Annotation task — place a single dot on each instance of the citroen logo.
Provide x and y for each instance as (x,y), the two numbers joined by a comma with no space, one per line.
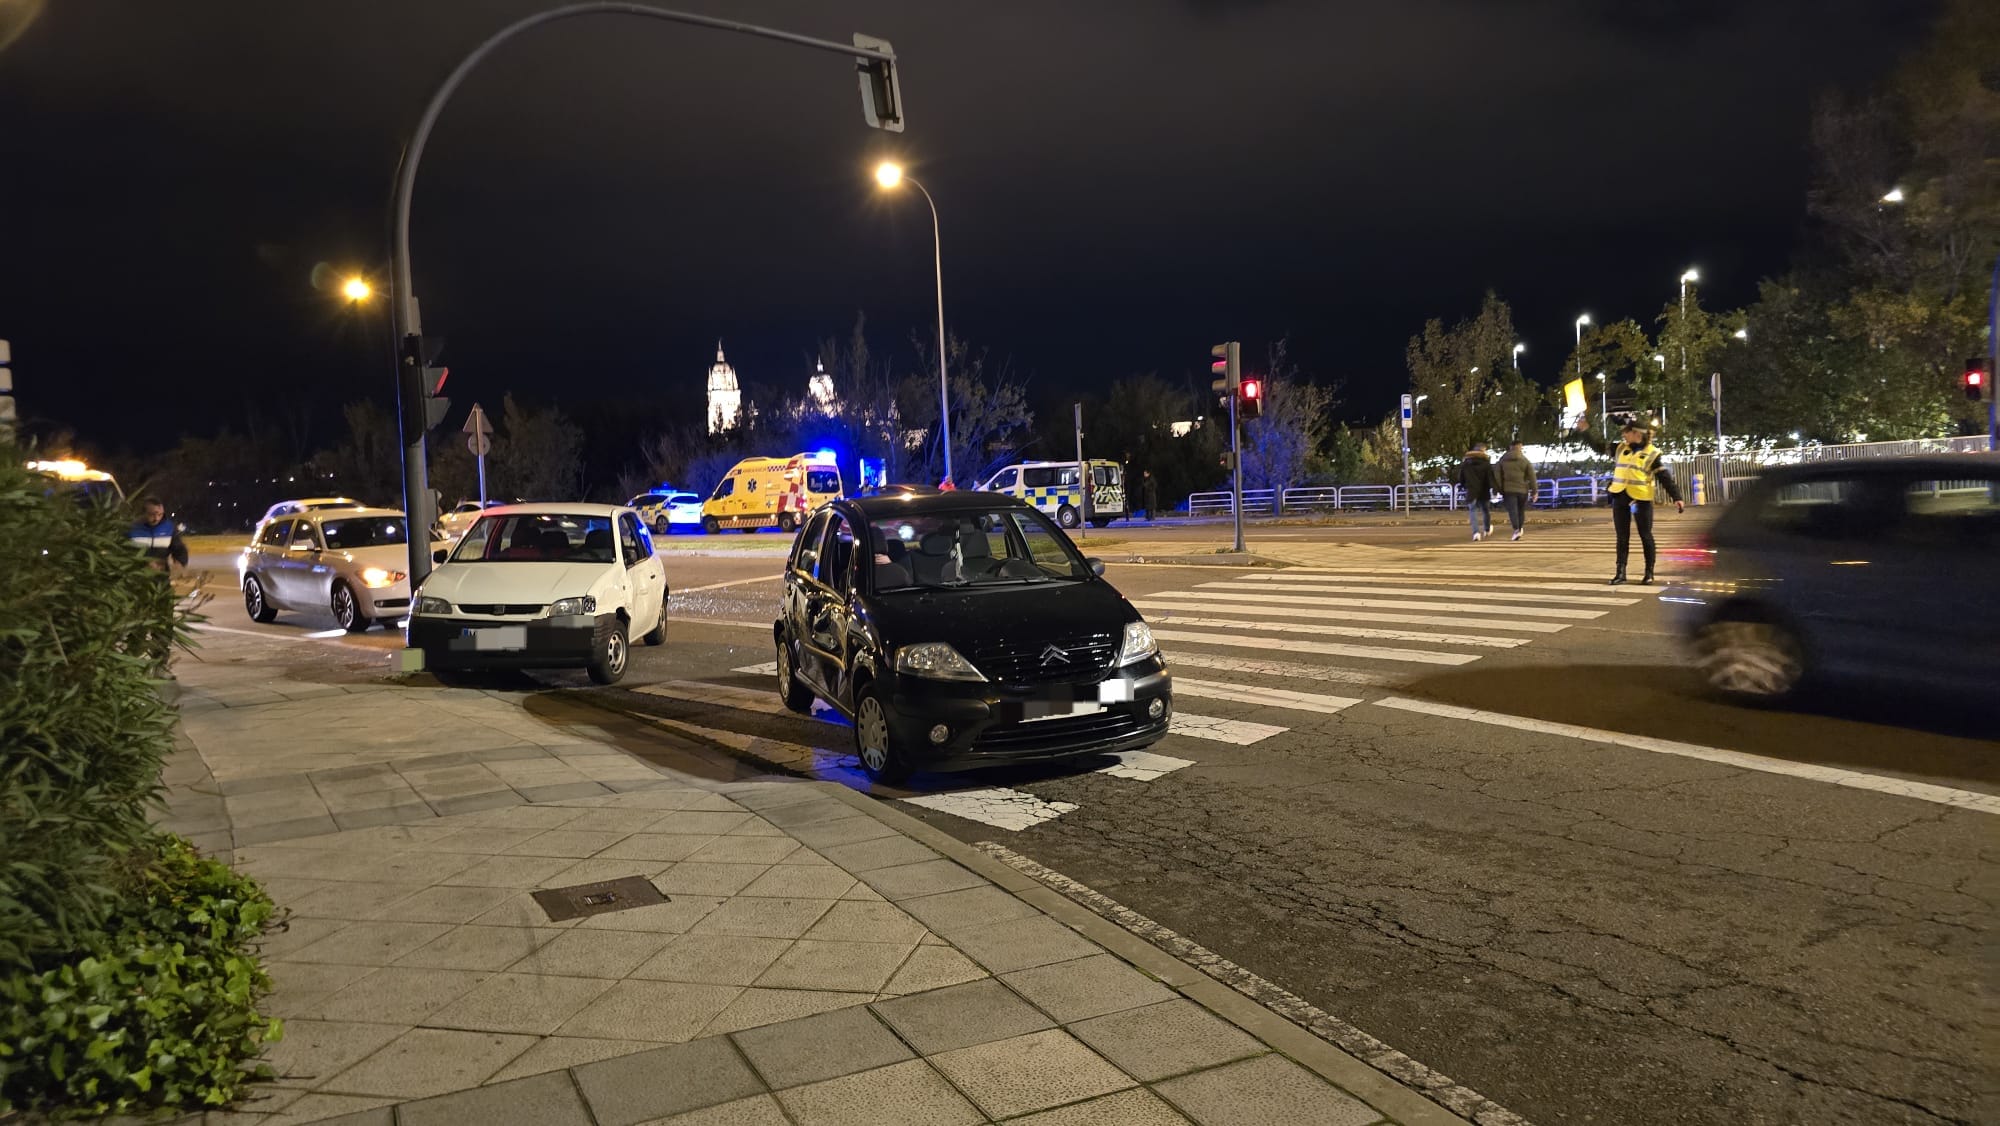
(1053,654)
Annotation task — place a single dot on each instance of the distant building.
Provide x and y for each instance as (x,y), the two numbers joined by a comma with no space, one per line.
(725,398)
(819,390)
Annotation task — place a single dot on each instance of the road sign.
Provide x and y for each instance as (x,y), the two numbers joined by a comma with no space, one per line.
(479,444)
(479,439)
(1409,411)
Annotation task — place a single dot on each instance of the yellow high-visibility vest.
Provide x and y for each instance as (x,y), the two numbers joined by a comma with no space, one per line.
(1633,475)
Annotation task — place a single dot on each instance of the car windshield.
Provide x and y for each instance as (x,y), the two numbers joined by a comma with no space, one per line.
(539,538)
(822,480)
(363,531)
(963,549)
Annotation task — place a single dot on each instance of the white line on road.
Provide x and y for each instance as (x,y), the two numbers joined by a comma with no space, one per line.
(1483,573)
(1508,580)
(1516,594)
(1250,666)
(761,627)
(1287,604)
(1144,766)
(1324,648)
(1238,731)
(1002,808)
(1394,604)
(768,668)
(1854,779)
(204,627)
(1480,641)
(1269,697)
(731,582)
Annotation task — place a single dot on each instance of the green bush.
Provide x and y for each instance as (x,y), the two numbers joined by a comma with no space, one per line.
(157,1012)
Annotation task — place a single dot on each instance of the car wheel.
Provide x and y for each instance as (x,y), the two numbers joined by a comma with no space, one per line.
(608,661)
(791,689)
(254,602)
(346,612)
(873,742)
(1068,516)
(787,523)
(658,634)
(710,526)
(661,527)
(1748,660)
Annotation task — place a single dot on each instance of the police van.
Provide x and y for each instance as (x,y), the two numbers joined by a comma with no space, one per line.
(771,492)
(1052,487)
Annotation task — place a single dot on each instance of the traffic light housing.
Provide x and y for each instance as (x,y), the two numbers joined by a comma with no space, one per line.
(1978,379)
(1227,367)
(1250,398)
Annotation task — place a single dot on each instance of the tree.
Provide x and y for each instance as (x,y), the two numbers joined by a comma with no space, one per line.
(1152,426)
(537,455)
(1459,372)
(1282,446)
(367,463)
(990,419)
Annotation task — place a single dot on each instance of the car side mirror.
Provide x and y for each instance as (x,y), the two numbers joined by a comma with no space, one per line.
(1096,565)
(440,555)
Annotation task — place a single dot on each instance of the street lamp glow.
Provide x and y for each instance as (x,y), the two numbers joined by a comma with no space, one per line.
(1583,320)
(1518,349)
(1893,195)
(1600,377)
(1692,275)
(888,174)
(357,289)
(1742,334)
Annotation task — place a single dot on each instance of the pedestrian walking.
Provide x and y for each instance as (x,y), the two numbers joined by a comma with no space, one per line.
(157,537)
(1149,492)
(1476,477)
(1635,474)
(1517,485)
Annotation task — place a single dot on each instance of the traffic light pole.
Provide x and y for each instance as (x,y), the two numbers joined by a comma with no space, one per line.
(1236,469)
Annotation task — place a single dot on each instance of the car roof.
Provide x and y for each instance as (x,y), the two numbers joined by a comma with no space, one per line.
(1940,465)
(348,513)
(924,504)
(544,508)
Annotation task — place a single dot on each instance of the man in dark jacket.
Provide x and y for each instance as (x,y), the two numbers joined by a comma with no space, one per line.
(158,537)
(1476,477)
(1517,485)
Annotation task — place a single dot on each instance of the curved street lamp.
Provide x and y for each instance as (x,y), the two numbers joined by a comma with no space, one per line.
(890,175)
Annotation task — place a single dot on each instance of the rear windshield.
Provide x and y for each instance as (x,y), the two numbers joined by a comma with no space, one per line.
(684,498)
(363,531)
(822,480)
(540,538)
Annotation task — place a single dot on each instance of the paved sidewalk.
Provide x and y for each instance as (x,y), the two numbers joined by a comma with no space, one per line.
(819,958)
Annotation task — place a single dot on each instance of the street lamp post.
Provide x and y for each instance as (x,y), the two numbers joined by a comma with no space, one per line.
(1691,275)
(1604,405)
(1518,349)
(1580,322)
(889,175)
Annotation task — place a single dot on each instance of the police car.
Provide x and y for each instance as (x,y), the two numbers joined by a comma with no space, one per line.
(1052,487)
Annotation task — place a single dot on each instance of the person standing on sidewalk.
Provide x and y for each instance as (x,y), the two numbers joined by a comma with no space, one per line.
(1149,493)
(1517,485)
(1476,477)
(157,537)
(1636,471)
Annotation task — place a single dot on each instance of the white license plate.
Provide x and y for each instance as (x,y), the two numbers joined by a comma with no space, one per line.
(500,637)
(1065,711)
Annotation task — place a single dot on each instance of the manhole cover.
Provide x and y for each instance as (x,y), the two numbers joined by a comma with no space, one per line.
(599,898)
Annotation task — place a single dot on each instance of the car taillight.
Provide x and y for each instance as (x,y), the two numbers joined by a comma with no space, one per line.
(1698,555)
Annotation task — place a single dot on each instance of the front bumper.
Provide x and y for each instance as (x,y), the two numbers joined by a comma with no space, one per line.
(992,724)
(391,602)
(500,643)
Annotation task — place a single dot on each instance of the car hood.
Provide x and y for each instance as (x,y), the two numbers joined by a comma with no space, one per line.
(997,612)
(482,583)
(388,556)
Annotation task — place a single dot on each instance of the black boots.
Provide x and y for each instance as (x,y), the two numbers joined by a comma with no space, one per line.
(1648,580)
(1619,578)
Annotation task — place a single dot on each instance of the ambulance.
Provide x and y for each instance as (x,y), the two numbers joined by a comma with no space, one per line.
(772,492)
(1051,486)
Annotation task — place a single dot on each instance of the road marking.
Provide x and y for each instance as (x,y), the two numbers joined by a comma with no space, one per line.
(1269,697)
(1515,595)
(204,627)
(761,627)
(1144,766)
(1475,640)
(1483,573)
(1854,779)
(768,668)
(1325,648)
(1250,666)
(1465,607)
(1238,731)
(1288,604)
(1189,615)
(731,582)
(1507,580)
(1002,808)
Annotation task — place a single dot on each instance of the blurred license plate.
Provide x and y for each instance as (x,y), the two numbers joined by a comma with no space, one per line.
(1038,710)
(499,637)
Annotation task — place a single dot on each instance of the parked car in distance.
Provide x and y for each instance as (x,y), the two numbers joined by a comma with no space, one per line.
(771,492)
(307,504)
(349,563)
(454,523)
(664,511)
(543,586)
(960,630)
(1871,572)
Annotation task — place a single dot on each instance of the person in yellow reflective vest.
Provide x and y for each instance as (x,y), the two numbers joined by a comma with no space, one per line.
(1636,473)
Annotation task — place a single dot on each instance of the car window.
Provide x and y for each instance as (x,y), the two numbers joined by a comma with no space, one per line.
(363,531)
(1964,513)
(685,498)
(836,554)
(1004,479)
(970,549)
(1823,508)
(805,550)
(822,480)
(1105,474)
(726,487)
(303,534)
(1038,478)
(275,533)
(638,547)
(539,538)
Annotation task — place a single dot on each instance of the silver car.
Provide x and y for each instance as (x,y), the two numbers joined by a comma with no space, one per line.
(347,562)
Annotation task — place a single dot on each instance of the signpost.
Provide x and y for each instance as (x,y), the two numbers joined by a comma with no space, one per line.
(1409,416)
(479,439)
(1083,481)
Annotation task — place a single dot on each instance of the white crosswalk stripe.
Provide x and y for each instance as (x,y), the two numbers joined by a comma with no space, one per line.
(1262,669)
(1511,595)
(1260,602)
(1241,732)
(1323,648)
(1266,697)
(768,668)
(1477,641)
(1404,604)
(999,807)
(1530,590)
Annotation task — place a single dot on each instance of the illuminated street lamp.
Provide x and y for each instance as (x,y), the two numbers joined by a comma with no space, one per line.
(1580,322)
(1518,349)
(1604,405)
(1742,334)
(1893,195)
(890,175)
(1691,275)
(357,289)
(1660,358)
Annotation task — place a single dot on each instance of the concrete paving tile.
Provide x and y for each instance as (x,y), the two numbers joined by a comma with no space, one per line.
(826,1046)
(793,814)
(961,1016)
(866,922)
(424,867)
(1136,1107)
(656,846)
(903,1094)
(927,878)
(311,862)
(757,1110)
(520,911)
(581,953)
(1262,1090)
(336,1110)
(597,869)
(430,1061)
(845,829)
(698,823)
(854,967)
(770,793)
(932,967)
(541,1100)
(542,817)
(1034,1072)
(236,787)
(664,798)
(387,815)
(791,880)
(475,947)
(607,820)
(1020,944)
(660,1011)
(566,842)
(561,791)
(712,959)
(675,916)
(695,878)
(347,899)
(394,791)
(884,852)
(628,785)
(274,806)
(296,934)
(482,841)
(473,803)
(312,1051)
(972,907)
(397,995)
(757,827)
(369,943)
(745,850)
(1168,1038)
(435,791)
(299,986)
(1087,987)
(756,1007)
(862,893)
(445,903)
(519,1002)
(510,871)
(764,918)
(282,830)
(554,1053)
(666,1081)
(807,858)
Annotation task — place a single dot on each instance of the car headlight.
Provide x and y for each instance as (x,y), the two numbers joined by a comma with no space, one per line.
(573,607)
(936,660)
(429,605)
(1138,644)
(379,577)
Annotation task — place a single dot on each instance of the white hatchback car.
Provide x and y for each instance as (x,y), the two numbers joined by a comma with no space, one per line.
(454,523)
(347,562)
(543,586)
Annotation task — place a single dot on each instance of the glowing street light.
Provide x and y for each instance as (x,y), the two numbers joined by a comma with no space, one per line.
(357,288)
(1580,322)
(1518,349)
(1893,195)
(890,175)
(1741,334)
(1691,275)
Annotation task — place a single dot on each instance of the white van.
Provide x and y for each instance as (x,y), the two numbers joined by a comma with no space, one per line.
(1051,486)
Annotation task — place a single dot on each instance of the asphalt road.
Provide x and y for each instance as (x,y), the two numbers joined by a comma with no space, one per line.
(1584,926)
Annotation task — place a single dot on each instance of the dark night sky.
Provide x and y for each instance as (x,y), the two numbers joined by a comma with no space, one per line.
(1123,183)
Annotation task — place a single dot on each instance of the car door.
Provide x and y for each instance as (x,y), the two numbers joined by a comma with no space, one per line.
(1939,608)
(267,552)
(827,605)
(644,575)
(1816,543)
(284,567)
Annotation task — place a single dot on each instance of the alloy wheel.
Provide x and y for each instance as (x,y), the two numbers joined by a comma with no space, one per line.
(1751,659)
(343,607)
(253,597)
(873,728)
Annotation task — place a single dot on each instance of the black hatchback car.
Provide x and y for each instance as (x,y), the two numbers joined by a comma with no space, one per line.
(961,630)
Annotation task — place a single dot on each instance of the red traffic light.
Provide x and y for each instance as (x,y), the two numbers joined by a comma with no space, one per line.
(1253,388)
(1976,380)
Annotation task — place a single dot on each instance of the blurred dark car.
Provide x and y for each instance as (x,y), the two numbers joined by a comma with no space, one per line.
(900,491)
(1877,573)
